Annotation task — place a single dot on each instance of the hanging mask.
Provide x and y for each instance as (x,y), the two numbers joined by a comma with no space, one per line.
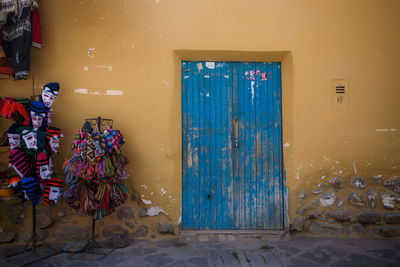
(48,97)
(45,172)
(49,93)
(14,140)
(53,136)
(37,120)
(55,193)
(30,139)
(52,192)
(54,144)
(38,112)
(43,169)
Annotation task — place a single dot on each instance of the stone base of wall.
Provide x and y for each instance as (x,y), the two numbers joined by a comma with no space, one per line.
(132,220)
(356,206)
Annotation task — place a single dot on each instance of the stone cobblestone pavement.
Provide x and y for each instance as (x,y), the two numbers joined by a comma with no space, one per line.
(301,251)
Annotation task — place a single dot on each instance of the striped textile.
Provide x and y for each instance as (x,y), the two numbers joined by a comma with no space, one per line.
(21,162)
(31,188)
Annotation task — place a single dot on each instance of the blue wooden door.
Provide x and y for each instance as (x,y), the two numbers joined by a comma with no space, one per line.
(232,146)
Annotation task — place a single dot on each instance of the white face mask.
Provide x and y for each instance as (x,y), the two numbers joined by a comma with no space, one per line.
(55,193)
(45,172)
(48,97)
(30,140)
(14,140)
(54,144)
(36,120)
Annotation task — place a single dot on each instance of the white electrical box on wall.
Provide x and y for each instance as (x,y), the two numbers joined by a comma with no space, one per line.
(340,93)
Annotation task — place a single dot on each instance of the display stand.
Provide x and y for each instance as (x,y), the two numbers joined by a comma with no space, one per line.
(93,246)
(33,255)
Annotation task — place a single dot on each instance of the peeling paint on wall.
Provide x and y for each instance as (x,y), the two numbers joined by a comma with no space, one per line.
(99,92)
(109,68)
(81,91)
(91,52)
(147,202)
(114,92)
(163,192)
(154,211)
(386,130)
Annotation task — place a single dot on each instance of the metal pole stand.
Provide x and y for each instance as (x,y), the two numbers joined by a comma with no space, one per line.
(35,254)
(92,242)
(94,251)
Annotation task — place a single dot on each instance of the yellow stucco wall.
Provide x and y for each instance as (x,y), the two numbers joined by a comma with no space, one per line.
(135,47)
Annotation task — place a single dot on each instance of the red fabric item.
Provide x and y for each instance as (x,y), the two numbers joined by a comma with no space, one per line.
(5,65)
(6,111)
(36,29)
(10,107)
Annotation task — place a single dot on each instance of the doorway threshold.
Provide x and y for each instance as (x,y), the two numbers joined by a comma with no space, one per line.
(232,235)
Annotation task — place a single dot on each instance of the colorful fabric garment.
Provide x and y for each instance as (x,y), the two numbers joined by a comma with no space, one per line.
(96,172)
(17,40)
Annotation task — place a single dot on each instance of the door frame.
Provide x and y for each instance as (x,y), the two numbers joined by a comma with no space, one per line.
(286,59)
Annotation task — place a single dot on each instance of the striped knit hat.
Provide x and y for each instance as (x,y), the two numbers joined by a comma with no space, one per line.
(21,162)
(53,87)
(53,132)
(38,108)
(30,186)
(54,182)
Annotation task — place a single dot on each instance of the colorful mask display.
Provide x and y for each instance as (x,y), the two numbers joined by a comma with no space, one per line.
(32,142)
